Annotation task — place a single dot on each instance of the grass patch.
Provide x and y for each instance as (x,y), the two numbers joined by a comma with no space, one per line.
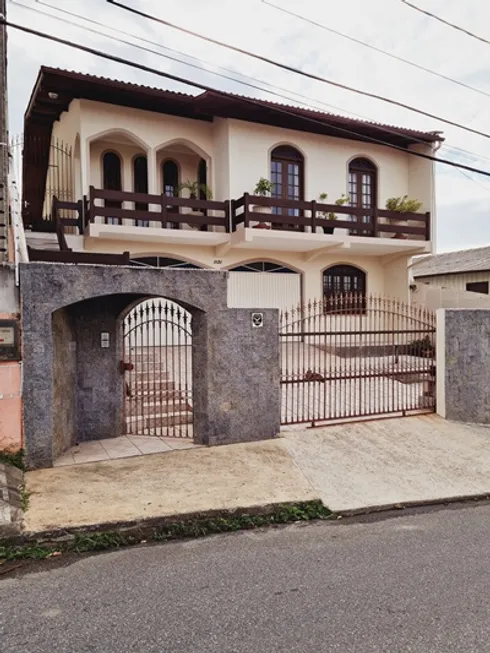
(24,498)
(16,459)
(83,542)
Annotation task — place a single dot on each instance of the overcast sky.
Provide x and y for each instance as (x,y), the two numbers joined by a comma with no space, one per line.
(463,201)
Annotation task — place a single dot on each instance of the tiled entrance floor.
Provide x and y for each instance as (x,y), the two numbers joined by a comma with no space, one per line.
(122,447)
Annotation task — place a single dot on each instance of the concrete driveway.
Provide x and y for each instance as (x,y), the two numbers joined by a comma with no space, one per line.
(349,467)
(378,463)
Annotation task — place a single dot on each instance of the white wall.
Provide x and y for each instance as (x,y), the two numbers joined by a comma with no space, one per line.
(326,161)
(238,152)
(433,297)
(454,281)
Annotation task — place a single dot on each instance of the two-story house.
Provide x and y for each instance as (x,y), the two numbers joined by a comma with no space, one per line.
(121,151)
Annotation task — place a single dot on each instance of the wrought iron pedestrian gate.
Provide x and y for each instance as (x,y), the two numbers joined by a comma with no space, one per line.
(352,356)
(157,366)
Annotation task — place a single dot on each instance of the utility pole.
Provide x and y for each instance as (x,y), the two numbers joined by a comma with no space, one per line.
(4,158)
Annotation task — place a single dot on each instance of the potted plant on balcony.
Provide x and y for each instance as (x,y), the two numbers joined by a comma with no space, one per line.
(194,188)
(401,205)
(263,188)
(332,217)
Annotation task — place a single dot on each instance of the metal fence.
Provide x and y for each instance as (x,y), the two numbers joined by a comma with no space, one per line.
(352,356)
(157,366)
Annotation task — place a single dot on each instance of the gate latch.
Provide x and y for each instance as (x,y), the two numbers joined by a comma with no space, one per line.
(125,367)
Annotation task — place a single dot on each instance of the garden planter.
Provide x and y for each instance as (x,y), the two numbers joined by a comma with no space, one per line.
(267,210)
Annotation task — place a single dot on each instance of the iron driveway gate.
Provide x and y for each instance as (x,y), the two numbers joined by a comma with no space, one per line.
(352,356)
(157,367)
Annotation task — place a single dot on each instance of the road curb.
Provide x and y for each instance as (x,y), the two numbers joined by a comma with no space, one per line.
(405,505)
(97,537)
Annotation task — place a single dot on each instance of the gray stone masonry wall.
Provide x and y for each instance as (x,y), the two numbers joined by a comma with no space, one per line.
(464,365)
(64,380)
(235,366)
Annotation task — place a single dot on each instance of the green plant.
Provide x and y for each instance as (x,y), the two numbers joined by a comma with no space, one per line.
(16,459)
(195,189)
(403,204)
(422,347)
(263,187)
(24,498)
(343,199)
(186,528)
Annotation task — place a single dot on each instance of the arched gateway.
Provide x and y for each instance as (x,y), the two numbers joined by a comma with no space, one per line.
(157,370)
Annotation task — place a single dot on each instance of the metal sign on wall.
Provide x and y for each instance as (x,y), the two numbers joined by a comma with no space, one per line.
(9,340)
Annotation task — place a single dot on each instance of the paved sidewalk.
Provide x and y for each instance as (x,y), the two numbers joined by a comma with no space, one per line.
(163,484)
(349,467)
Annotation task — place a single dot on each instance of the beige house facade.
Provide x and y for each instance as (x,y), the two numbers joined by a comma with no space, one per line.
(144,143)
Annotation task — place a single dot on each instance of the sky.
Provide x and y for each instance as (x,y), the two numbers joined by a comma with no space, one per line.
(463,200)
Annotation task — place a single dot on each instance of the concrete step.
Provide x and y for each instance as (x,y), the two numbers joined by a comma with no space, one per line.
(139,423)
(140,385)
(149,408)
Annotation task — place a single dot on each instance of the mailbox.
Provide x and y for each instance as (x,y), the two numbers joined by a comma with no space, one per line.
(9,340)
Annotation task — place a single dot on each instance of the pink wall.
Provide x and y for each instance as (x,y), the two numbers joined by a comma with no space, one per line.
(10,403)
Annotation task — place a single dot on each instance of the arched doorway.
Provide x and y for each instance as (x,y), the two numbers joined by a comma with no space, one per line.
(157,366)
(112,180)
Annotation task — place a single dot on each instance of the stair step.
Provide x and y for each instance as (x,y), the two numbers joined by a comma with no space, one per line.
(135,424)
(148,408)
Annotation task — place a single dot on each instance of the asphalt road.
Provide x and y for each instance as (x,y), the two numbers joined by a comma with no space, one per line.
(418,584)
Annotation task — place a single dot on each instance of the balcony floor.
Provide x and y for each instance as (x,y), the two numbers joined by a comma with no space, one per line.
(156,235)
(294,241)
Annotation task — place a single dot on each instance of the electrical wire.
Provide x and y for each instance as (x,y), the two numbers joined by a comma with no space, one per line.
(456,151)
(446,22)
(375,48)
(209,89)
(297,71)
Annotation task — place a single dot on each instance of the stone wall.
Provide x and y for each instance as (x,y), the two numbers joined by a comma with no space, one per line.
(64,377)
(235,370)
(463,365)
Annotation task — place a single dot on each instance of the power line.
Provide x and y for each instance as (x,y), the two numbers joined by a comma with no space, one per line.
(209,89)
(375,48)
(317,78)
(161,54)
(446,22)
(475,181)
(456,150)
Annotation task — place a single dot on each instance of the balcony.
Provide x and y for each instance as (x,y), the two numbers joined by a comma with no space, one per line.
(119,215)
(370,231)
(286,225)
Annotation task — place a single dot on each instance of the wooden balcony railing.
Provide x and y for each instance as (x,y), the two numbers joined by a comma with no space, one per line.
(299,215)
(113,206)
(144,210)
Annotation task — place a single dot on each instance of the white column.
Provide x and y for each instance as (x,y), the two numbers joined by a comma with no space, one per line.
(84,165)
(153,187)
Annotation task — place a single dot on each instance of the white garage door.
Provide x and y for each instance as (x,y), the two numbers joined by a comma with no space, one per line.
(268,289)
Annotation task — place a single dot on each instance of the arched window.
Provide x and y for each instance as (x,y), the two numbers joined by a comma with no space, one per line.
(140,185)
(202,177)
(263,266)
(170,183)
(170,171)
(363,189)
(287,177)
(164,262)
(344,289)
(112,180)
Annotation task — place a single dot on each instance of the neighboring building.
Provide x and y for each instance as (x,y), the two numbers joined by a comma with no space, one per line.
(119,149)
(465,270)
